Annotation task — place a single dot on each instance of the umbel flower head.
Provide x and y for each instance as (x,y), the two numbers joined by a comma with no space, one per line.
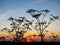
(32,12)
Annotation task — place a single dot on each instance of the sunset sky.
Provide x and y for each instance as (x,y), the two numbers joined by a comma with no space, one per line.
(16,8)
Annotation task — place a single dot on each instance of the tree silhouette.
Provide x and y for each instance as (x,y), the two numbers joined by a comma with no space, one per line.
(54,37)
(22,24)
(16,26)
(11,18)
(41,23)
(2,38)
(7,30)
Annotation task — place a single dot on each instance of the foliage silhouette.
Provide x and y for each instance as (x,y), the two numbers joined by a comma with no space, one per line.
(54,37)
(21,25)
(41,23)
(2,38)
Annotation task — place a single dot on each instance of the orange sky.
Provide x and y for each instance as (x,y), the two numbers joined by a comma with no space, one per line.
(53,28)
(26,35)
(7,36)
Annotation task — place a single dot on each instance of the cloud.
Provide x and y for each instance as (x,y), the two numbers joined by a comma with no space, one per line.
(3,16)
(13,13)
(38,1)
(10,13)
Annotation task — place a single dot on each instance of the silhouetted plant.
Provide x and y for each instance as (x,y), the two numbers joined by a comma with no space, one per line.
(41,23)
(5,29)
(34,37)
(2,38)
(16,23)
(54,37)
(22,24)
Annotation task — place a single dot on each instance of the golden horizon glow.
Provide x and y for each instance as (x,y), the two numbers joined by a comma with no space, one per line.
(7,36)
(26,35)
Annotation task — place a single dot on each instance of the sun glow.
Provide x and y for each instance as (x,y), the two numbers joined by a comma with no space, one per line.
(7,36)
